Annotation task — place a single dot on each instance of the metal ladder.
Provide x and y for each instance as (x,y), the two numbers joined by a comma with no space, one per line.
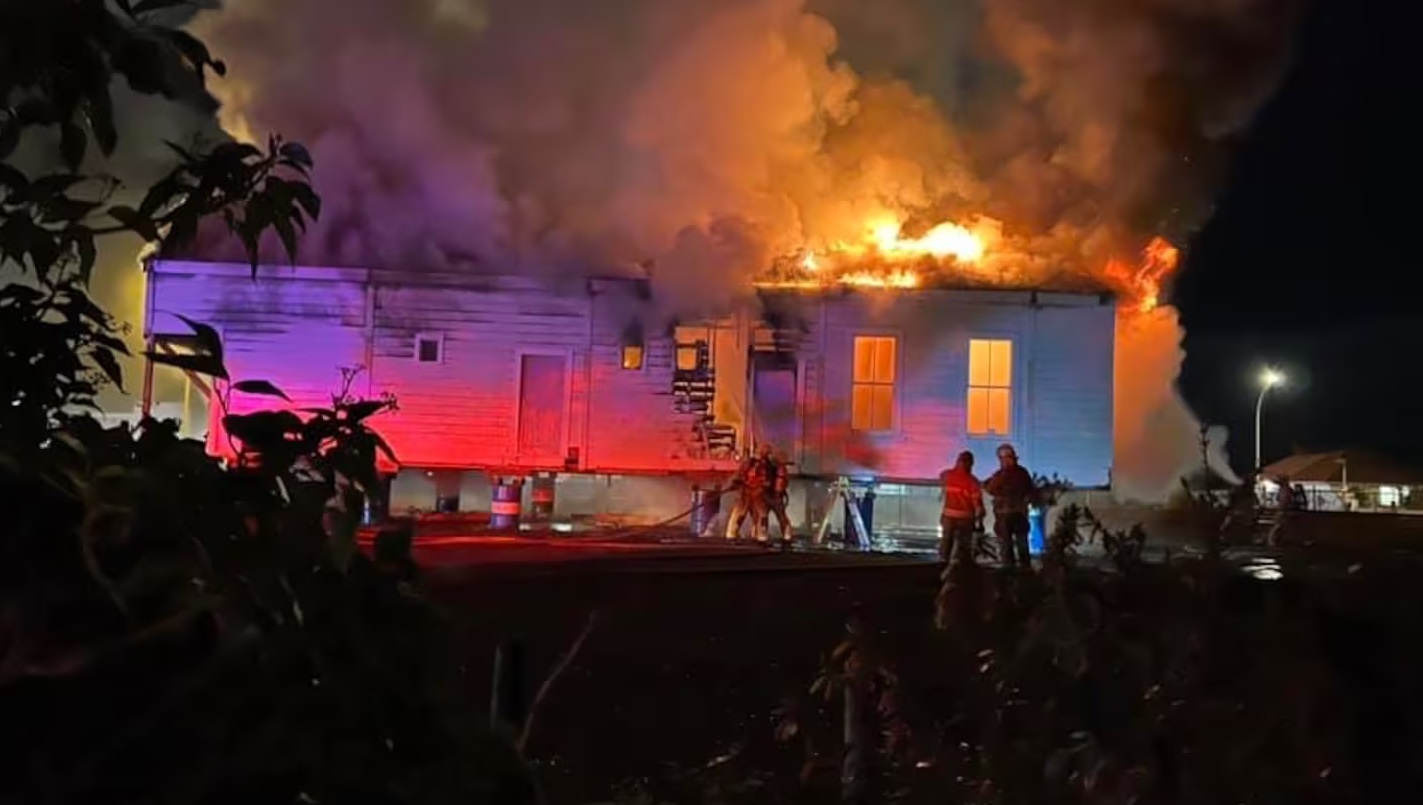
(845,494)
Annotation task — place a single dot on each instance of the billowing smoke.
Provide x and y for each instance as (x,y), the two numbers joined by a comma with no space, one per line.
(705,137)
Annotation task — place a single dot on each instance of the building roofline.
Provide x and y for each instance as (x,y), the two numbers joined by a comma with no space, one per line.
(1047,294)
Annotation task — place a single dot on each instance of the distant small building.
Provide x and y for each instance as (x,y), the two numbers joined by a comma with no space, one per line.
(1347,480)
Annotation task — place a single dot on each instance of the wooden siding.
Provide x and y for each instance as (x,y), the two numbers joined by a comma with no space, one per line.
(1072,377)
(296,335)
(1061,399)
(297,327)
(462,410)
(632,421)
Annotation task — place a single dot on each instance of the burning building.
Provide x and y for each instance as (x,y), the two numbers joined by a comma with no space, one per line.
(869,365)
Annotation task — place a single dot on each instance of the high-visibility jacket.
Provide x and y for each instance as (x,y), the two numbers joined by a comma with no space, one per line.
(753,477)
(963,494)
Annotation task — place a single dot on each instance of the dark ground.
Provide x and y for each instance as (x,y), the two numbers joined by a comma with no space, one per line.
(691,656)
(681,667)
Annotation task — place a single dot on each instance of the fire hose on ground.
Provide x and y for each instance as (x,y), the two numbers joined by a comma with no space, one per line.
(647,529)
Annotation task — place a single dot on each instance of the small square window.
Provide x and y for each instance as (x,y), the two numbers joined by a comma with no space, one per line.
(429,348)
(632,357)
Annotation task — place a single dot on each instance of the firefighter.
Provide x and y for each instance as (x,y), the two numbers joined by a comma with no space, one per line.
(778,492)
(962,516)
(750,483)
(1013,493)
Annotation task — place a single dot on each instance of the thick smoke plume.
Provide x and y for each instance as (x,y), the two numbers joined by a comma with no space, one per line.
(706,137)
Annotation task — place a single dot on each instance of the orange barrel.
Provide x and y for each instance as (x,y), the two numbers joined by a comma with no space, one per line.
(706,505)
(507,505)
(541,498)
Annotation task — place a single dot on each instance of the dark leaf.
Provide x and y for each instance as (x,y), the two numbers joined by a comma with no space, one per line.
(249,243)
(208,339)
(110,366)
(85,252)
(141,60)
(307,199)
(73,142)
(261,387)
(287,233)
(49,187)
(130,218)
(263,430)
(384,447)
(100,112)
(232,153)
(182,228)
(9,137)
(24,294)
(110,342)
(64,209)
(42,247)
(149,6)
(183,153)
(126,6)
(83,306)
(190,46)
(13,179)
(297,155)
(160,195)
(197,364)
(364,409)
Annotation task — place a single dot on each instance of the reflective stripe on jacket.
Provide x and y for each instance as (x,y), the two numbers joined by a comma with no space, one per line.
(963,494)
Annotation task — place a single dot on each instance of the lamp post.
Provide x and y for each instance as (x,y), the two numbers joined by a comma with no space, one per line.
(1269,379)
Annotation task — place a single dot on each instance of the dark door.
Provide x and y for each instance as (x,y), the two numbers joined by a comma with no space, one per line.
(773,394)
(543,385)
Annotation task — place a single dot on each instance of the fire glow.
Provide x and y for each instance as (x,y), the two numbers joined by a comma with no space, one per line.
(885,258)
(1142,282)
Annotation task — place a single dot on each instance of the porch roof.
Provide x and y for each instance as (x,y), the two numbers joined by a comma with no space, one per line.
(1360,467)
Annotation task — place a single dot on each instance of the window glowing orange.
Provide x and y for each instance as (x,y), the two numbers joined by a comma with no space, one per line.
(990,387)
(872,391)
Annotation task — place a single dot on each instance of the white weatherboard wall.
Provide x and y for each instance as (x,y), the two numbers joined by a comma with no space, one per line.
(296,327)
(1061,399)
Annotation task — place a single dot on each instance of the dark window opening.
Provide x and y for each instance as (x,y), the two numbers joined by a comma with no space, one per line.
(634,351)
(428,349)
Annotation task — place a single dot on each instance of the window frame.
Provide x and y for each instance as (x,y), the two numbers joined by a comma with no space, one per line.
(710,332)
(438,339)
(632,339)
(1011,388)
(894,385)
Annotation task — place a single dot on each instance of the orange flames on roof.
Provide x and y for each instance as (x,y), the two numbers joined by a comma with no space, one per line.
(883,257)
(883,243)
(1142,282)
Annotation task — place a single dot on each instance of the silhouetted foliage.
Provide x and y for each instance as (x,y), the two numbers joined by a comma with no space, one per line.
(175,627)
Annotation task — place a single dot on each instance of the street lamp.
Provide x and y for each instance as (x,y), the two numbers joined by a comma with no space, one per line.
(1269,379)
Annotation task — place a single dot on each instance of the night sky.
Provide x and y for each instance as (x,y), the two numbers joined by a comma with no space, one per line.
(1312,258)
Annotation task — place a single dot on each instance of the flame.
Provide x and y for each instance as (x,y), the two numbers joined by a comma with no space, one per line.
(1142,281)
(883,244)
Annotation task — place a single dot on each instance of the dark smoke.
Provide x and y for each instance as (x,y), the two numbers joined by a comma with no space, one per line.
(704,137)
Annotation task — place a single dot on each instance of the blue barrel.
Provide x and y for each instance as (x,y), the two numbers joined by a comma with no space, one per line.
(1037,530)
(706,505)
(507,505)
(541,497)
